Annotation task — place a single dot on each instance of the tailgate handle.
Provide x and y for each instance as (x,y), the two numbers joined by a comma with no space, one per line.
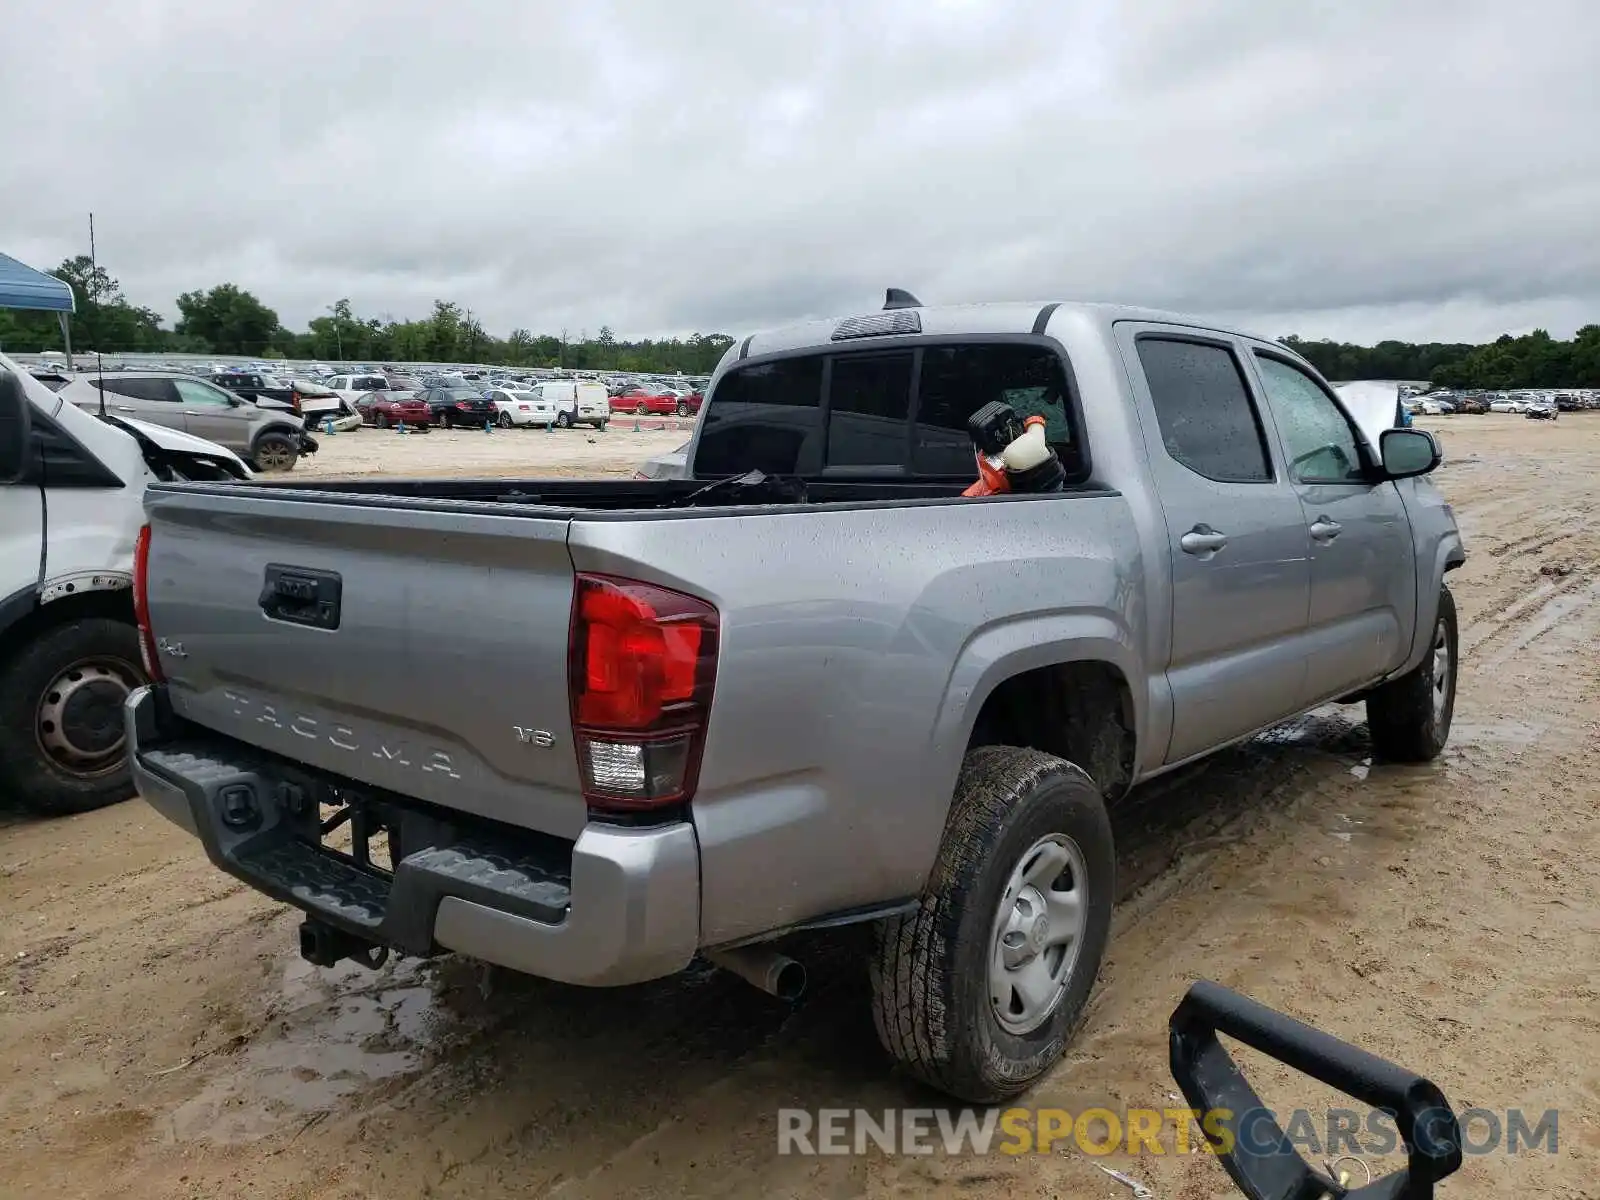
(302,596)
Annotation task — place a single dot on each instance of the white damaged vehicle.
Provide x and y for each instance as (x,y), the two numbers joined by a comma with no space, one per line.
(71,510)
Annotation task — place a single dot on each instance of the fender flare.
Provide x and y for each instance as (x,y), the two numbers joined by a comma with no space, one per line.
(1000,651)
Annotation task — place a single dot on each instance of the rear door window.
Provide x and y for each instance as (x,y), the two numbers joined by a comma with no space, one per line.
(153,388)
(1208,421)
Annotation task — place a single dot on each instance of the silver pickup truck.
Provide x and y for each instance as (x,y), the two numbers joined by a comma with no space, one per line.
(591,730)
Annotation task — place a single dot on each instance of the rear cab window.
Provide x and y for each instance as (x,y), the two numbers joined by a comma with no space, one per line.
(882,410)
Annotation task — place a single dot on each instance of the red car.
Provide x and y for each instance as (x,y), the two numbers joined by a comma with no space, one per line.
(384,409)
(642,400)
(691,403)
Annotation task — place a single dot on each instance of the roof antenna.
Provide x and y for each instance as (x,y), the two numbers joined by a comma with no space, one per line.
(99,364)
(899,298)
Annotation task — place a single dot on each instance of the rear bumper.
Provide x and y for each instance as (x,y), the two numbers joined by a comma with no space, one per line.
(618,906)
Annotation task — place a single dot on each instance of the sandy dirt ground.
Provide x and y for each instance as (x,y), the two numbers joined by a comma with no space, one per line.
(161,1038)
(525,451)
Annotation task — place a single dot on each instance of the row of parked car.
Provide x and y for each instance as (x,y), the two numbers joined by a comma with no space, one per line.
(1535,405)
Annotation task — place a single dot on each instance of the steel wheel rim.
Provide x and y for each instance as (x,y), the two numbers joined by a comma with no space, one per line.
(1038,932)
(275,457)
(78,720)
(1442,667)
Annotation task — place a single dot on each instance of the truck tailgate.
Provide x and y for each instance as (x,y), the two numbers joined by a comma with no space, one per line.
(423,650)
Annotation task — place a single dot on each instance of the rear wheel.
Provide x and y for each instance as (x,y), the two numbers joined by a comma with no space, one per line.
(600,426)
(641,409)
(980,990)
(505,420)
(383,420)
(275,452)
(62,748)
(683,408)
(563,421)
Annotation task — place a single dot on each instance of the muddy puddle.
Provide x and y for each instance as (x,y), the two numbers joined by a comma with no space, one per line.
(329,1033)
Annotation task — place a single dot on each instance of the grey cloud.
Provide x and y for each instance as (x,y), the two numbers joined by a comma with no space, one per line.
(1361,167)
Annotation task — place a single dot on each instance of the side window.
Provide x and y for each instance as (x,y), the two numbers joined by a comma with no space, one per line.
(869,399)
(956,381)
(192,391)
(151,388)
(765,417)
(1317,437)
(1208,421)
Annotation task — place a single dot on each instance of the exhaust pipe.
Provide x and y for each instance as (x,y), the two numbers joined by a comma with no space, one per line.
(775,974)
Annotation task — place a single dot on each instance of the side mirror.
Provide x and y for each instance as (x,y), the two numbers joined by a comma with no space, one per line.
(16,428)
(1408,452)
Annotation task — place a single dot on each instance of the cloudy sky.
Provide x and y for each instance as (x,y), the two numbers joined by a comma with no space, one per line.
(1422,170)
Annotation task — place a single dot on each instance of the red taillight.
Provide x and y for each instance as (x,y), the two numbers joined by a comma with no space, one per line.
(141,605)
(642,662)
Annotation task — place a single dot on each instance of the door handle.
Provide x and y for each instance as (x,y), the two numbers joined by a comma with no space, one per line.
(1202,540)
(1325,529)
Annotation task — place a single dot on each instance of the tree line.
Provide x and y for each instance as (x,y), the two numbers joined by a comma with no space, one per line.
(226,319)
(1534,360)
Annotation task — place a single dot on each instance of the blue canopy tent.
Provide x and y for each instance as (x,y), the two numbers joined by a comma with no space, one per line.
(23,287)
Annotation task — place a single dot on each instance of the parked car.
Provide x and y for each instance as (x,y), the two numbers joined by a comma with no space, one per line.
(689,403)
(71,507)
(696,753)
(1542,411)
(267,439)
(1475,405)
(450,407)
(385,409)
(521,406)
(313,402)
(353,387)
(640,400)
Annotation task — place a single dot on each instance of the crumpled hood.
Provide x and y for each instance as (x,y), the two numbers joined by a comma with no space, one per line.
(1375,405)
(182,443)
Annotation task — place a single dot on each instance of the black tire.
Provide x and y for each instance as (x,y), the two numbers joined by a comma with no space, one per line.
(600,426)
(1407,722)
(504,420)
(930,972)
(382,420)
(104,654)
(275,452)
(683,408)
(641,409)
(563,421)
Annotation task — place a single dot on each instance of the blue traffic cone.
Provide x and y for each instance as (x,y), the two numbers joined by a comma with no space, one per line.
(400,428)
(636,428)
(327,426)
(487,428)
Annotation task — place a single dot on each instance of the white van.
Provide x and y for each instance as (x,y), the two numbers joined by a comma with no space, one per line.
(577,402)
(71,508)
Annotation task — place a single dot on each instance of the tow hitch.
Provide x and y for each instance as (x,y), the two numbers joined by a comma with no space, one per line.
(323,946)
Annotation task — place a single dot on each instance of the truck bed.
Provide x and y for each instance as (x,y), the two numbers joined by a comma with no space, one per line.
(438,670)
